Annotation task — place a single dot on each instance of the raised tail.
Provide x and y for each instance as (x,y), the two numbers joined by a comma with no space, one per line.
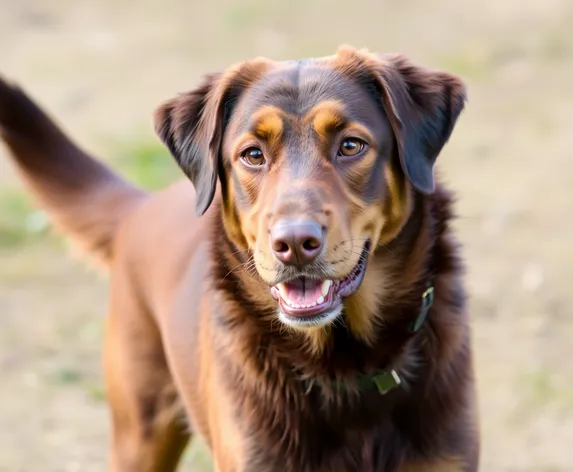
(85,199)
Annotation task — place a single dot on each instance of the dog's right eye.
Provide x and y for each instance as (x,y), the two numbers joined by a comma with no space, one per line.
(253,157)
(351,147)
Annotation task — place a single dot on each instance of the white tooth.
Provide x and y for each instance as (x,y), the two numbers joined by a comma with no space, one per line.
(313,304)
(320,300)
(325,287)
(296,306)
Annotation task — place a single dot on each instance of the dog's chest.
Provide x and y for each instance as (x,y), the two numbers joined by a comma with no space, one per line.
(315,433)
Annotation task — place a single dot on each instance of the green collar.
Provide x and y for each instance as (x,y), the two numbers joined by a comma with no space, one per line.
(385,381)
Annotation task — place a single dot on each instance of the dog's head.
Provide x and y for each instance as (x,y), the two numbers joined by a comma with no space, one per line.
(318,161)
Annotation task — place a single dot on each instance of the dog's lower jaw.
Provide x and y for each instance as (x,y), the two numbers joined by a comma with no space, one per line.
(319,321)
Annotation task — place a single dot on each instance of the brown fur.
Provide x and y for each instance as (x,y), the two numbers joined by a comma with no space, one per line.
(192,325)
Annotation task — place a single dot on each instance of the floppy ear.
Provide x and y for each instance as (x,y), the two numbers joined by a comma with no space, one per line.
(423,106)
(188,126)
(192,125)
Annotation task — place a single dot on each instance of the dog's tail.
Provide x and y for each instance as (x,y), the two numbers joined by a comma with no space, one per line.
(85,199)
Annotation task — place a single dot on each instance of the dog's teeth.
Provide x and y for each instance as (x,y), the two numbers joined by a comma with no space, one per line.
(313,304)
(296,305)
(320,300)
(325,287)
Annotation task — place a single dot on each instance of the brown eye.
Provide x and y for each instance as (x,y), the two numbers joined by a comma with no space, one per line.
(253,157)
(351,147)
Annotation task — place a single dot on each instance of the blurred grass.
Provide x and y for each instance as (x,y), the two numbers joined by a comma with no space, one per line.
(541,388)
(141,159)
(145,161)
(20,221)
(197,457)
(539,393)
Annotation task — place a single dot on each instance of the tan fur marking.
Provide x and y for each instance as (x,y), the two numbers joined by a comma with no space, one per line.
(453,464)
(325,116)
(317,338)
(363,304)
(232,220)
(269,122)
(366,222)
(398,204)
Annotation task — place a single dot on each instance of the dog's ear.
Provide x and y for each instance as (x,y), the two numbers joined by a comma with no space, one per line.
(192,126)
(423,106)
(186,124)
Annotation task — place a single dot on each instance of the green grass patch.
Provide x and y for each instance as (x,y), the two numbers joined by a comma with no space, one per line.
(146,162)
(95,391)
(538,391)
(197,456)
(542,389)
(67,376)
(20,221)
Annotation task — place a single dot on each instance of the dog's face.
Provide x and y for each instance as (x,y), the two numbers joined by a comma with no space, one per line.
(317,161)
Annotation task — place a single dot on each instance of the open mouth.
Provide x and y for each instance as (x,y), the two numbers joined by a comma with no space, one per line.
(308,301)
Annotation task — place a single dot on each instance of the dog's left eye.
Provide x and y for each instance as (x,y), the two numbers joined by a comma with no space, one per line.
(253,157)
(351,147)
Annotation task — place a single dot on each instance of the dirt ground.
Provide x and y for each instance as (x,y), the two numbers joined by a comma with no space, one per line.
(102,66)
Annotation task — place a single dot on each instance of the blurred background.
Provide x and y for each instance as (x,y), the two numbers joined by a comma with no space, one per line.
(101,67)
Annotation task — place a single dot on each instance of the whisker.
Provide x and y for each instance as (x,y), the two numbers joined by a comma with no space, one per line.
(242,264)
(385,246)
(344,241)
(239,252)
(341,321)
(371,250)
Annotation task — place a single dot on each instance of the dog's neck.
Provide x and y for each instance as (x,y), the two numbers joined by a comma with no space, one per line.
(419,255)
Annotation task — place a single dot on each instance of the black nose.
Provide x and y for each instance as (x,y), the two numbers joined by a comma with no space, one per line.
(297,242)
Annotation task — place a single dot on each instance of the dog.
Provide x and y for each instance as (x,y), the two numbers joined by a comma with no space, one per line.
(299,298)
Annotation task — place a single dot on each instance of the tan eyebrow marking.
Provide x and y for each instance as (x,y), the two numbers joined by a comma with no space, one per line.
(326,116)
(268,122)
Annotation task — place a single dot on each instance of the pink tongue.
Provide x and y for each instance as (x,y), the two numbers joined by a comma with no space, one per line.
(303,291)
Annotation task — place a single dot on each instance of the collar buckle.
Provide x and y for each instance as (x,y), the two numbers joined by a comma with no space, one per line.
(386,381)
(427,302)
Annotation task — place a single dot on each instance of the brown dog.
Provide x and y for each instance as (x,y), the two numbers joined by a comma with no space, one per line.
(314,318)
